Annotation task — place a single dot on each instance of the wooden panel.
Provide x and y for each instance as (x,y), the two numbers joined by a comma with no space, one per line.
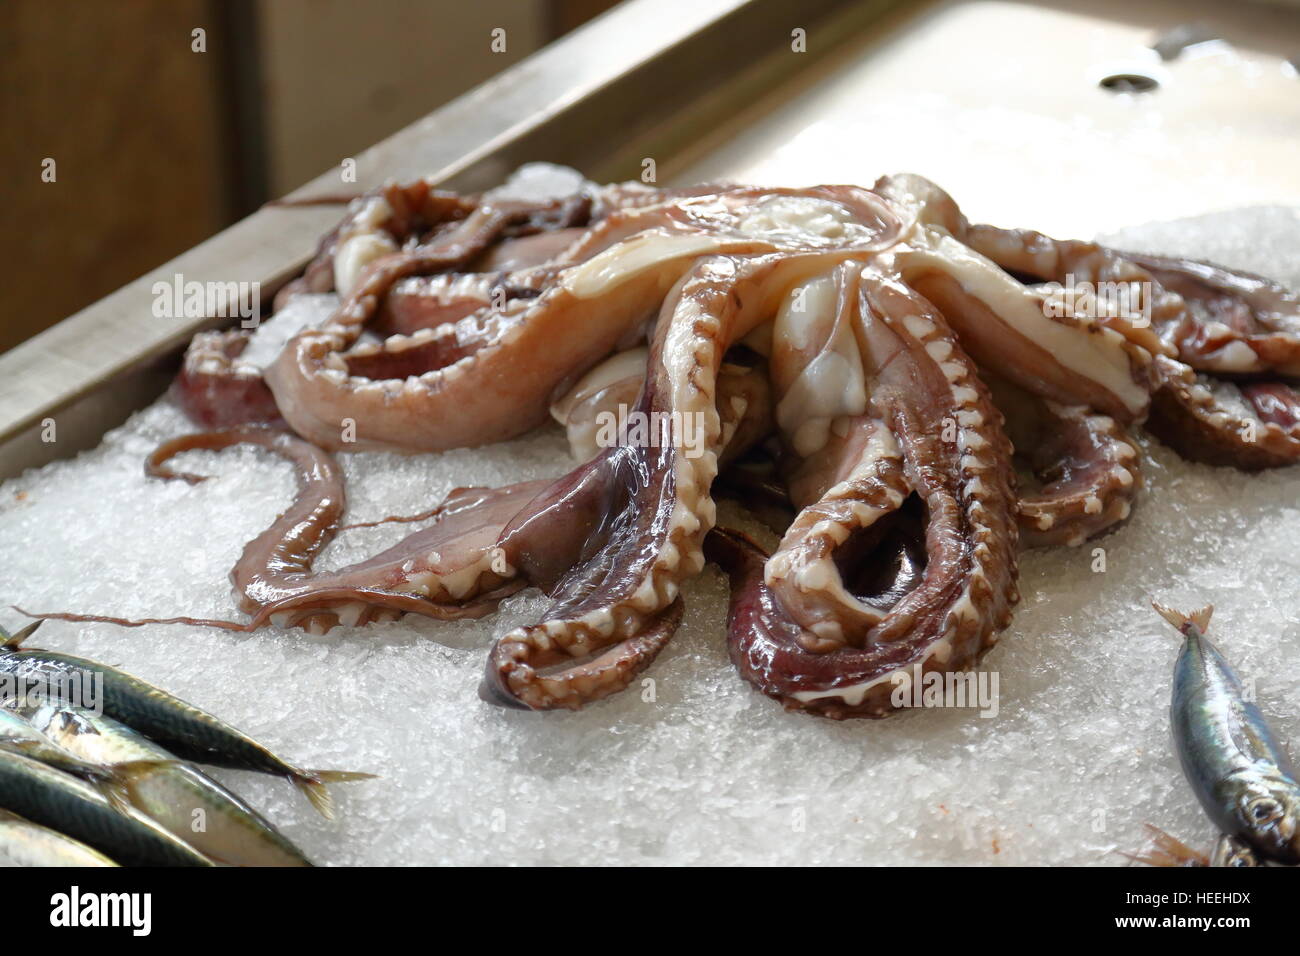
(338,76)
(113,94)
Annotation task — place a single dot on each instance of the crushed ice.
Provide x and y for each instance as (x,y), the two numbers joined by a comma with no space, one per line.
(691,766)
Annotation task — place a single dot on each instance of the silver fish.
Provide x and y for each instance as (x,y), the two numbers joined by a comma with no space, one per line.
(1238,770)
(1233,851)
(181,798)
(19,736)
(1168,851)
(23,843)
(188,732)
(59,801)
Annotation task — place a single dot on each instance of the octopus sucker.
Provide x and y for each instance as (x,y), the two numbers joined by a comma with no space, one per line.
(945,603)
(1080,471)
(1227,343)
(655,498)
(217,388)
(1250,426)
(905,398)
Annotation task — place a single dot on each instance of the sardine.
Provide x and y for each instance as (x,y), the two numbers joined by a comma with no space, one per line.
(23,843)
(1233,851)
(1238,770)
(19,736)
(51,798)
(185,730)
(1169,851)
(178,796)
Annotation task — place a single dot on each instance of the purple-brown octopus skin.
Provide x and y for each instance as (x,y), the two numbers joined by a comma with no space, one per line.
(937,570)
(489,376)
(1227,343)
(892,363)
(650,506)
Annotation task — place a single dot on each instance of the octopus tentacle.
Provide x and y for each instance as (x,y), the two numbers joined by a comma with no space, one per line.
(1247,426)
(844,468)
(299,534)
(1215,326)
(1088,484)
(1225,307)
(554,676)
(650,504)
(1085,471)
(1047,265)
(449,569)
(1214,319)
(378,219)
(1067,380)
(489,376)
(950,611)
(216,389)
(428,302)
(660,511)
(1065,358)
(804,574)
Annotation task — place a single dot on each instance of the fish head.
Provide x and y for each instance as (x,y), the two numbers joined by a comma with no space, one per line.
(1267,807)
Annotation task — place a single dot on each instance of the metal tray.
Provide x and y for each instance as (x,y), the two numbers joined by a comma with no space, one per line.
(999,102)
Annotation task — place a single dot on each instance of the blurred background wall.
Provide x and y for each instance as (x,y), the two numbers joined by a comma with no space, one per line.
(156,145)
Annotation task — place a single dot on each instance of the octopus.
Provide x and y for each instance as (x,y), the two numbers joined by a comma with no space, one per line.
(906,400)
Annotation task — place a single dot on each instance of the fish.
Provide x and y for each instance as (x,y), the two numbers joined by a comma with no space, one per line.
(1169,851)
(60,801)
(1240,773)
(178,796)
(19,736)
(1235,852)
(23,843)
(185,730)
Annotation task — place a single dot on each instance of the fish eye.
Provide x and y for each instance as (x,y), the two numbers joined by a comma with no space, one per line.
(1263,810)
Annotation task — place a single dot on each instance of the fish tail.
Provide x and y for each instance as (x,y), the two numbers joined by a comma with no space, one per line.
(1181,621)
(14,641)
(312,784)
(1166,851)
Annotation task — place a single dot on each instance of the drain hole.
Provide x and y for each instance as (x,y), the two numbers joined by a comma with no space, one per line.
(1129,83)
